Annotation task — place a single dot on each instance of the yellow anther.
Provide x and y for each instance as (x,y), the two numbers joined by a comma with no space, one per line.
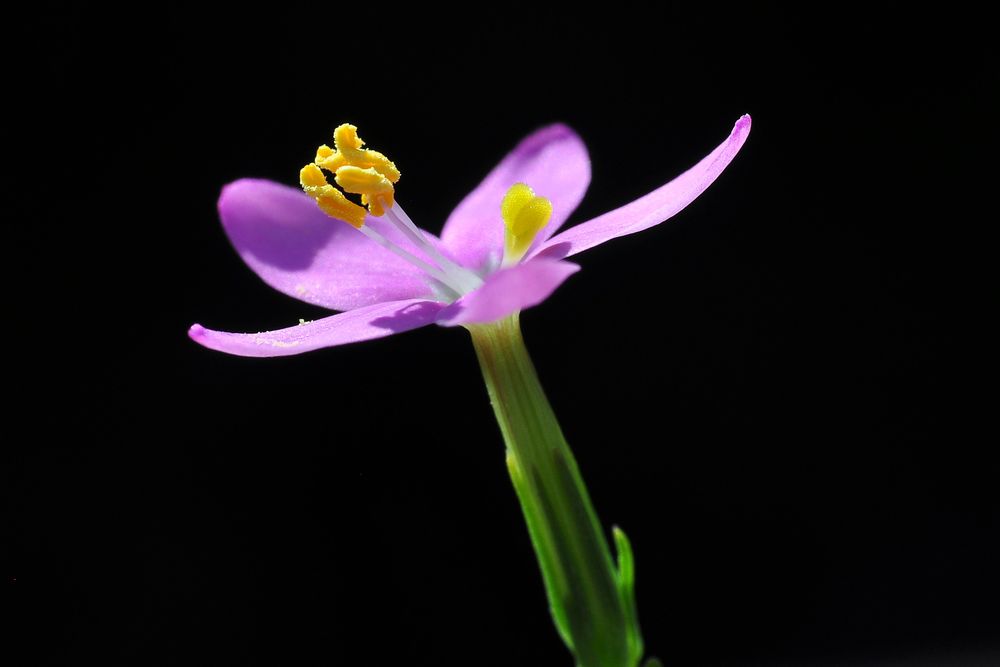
(357,170)
(331,200)
(322,153)
(349,152)
(313,180)
(375,189)
(524,215)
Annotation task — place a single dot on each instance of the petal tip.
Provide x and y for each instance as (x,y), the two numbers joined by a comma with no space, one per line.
(556,129)
(548,134)
(229,190)
(197,333)
(239,189)
(234,186)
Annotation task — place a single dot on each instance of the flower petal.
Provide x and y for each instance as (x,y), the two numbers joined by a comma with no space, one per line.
(377,321)
(553,161)
(509,290)
(283,236)
(652,209)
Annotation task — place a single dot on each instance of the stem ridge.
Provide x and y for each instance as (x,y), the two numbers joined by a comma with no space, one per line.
(591,598)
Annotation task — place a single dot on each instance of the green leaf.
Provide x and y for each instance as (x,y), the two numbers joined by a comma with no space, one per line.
(626,588)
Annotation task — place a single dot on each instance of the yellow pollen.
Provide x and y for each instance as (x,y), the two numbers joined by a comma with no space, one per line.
(374,188)
(349,152)
(524,215)
(357,170)
(331,200)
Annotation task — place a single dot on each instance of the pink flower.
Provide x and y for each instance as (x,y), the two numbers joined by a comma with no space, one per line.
(297,249)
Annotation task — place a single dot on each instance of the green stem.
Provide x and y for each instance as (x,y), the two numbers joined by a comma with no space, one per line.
(591,598)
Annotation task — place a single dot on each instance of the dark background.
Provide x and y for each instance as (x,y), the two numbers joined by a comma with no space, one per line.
(770,393)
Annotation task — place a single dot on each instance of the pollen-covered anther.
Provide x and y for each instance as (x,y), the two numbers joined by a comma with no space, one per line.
(349,152)
(524,215)
(358,171)
(330,200)
(375,189)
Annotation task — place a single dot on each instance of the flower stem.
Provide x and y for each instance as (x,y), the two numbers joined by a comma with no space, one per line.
(591,599)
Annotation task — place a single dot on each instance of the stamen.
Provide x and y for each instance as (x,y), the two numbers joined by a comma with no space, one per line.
(349,152)
(374,188)
(329,198)
(357,170)
(370,174)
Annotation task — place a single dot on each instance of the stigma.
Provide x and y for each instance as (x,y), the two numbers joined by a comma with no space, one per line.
(524,215)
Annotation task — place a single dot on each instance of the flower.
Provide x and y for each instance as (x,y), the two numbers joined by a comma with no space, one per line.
(498,252)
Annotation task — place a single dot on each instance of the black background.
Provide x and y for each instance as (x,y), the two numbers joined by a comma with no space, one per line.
(768,392)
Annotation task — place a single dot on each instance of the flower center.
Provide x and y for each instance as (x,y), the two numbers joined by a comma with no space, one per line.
(524,215)
(372,175)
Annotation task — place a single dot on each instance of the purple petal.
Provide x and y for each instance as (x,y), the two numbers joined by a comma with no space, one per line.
(377,321)
(509,290)
(284,237)
(654,208)
(553,162)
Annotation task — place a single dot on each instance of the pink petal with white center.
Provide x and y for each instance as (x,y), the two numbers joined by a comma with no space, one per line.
(366,323)
(297,249)
(553,161)
(508,291)
(652,209)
